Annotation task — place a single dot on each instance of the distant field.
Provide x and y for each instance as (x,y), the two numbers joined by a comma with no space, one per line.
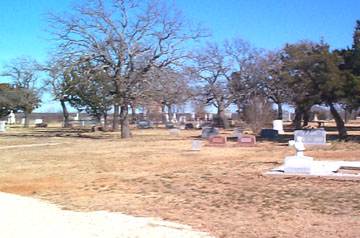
(154,174)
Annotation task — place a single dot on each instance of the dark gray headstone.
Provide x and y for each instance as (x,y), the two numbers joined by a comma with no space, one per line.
(209,131)
(189,126)
(144,124)
(237,132)
(169,125)
(311,137)
(269,133)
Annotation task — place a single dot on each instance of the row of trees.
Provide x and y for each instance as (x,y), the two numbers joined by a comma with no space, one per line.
(125,54)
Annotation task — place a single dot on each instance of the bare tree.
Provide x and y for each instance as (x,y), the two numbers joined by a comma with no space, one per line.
(59,83)
(126,38)
(169,88)
(273,85)
(212,69)
(24,73)
(247,73)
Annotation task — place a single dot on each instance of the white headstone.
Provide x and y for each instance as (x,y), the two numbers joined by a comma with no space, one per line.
(11,118)
(205,117)
(2,126)
(182,119)
(278,125)
(167,117)
(22,121)
(298,164)
(174,120)
(38,121)
(174,132)
(195,145)
(193,116)
(210,116)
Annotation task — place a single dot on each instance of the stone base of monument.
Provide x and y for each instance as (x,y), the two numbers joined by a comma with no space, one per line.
(298,164)
(349,170)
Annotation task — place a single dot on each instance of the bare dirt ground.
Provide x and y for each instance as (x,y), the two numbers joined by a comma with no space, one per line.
(154,174)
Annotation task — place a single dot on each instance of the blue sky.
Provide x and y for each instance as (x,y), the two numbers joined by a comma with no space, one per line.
(264,23)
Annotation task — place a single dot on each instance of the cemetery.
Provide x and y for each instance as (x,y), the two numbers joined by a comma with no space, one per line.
(185,175)
(132,119)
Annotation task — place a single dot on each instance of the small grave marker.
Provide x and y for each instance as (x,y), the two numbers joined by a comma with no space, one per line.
(41,125)
(38,121)
(195,145)
(278,125)
(209,131)
(189,126)
(269,133)
(246,141)
(169,125)
(237,132)
(144,124)
(216,140)
(174,132)
(2,126)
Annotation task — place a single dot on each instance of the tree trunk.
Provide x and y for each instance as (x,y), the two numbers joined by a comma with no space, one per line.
(221,113)
(125,125)
(339,122)
(133,112)
(298,118)
(280,111)
(26,115)
(105,126)
(116,117)
(65,114)
(306,115)
(169,111)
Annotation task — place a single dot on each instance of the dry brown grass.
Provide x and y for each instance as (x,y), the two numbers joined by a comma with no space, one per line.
(219,190)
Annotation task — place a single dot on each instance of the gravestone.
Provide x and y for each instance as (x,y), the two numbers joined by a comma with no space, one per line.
(2,126)
(278,125)
(144,124)
(237,132)
(174,132)
(11,118)
(22,121)
(38,121)
(189,126)
(195,145)
(210,117)
(312,137)
(286,116)
(169,125)
(193,116)
(209,131)
(246,141)
(41,125)
(216,140)
(298,164)
(174,120)
(269,133)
